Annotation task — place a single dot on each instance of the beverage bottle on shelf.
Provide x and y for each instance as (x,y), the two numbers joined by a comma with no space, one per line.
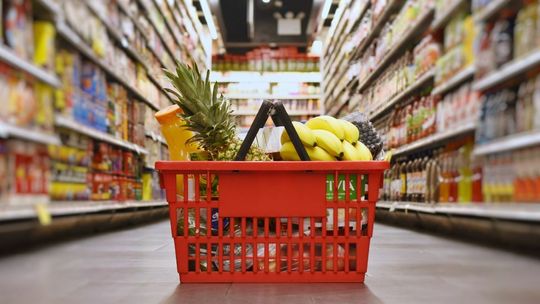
(502,38)
(408,124)
(444,185)
(396,182)
(434,178)
(410,179)
(465,174)
(535,112)
(476,181)
(422,183)
(403,181)
(453,178)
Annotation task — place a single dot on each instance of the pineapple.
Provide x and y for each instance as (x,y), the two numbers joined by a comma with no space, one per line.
(208,115)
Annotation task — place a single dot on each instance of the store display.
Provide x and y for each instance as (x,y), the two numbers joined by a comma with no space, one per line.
(267,60)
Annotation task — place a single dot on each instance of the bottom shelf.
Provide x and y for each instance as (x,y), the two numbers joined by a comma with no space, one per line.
(11,212)
(508,211)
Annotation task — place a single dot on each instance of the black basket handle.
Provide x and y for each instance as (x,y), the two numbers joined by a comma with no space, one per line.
(280,117)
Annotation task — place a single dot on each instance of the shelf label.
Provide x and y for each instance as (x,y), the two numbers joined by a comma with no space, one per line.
(43,214)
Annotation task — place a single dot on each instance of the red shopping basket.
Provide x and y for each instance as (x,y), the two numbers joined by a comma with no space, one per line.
(238,221)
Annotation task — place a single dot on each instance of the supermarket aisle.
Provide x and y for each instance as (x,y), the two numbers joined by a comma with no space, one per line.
(137,266)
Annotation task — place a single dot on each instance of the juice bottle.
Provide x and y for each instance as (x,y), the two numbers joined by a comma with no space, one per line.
(465,175)
(176,134)
(444,186)
(476,181)
(453,178)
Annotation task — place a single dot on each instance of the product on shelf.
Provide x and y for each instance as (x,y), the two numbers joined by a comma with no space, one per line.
(25,167)
(509,111)
(451,175)
(459,39)
(267,60)
(17,27)
(26,103)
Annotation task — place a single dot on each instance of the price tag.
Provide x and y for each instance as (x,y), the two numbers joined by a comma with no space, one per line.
(44,216)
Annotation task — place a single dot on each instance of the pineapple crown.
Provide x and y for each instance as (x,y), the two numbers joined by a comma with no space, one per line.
(208,115)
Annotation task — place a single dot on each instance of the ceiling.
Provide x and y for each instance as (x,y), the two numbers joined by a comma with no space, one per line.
(240,34)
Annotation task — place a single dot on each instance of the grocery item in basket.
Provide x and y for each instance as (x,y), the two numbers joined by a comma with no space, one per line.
(208,115)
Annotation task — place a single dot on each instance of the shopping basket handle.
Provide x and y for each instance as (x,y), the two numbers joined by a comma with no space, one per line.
(280,117)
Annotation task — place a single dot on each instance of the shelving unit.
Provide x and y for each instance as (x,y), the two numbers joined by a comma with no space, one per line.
(40,74)
(454,81)
(21,207)
(397,48)
(508,143)
(96,134)
(506,211)
(406,93)
(56,209)
(436,139)
(490,10)
(510,70)
(271,96)
(441,21)
(276,77)
(38,136)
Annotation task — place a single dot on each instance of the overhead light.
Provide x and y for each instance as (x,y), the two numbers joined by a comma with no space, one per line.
(316,47)
(266,1)
(326,9)
(209,20)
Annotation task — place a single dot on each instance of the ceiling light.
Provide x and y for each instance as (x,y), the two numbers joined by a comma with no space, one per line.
(209,19)
(316,48)
(326,9)
(266,1)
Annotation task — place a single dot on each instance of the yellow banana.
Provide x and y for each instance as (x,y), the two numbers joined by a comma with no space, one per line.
(288,152)
(305,134)
(365,154)
(350,152)
(352,134)
(329,142)
(327,123)
(319,154)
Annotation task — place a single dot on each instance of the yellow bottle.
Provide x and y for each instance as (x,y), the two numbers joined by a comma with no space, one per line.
(176,134)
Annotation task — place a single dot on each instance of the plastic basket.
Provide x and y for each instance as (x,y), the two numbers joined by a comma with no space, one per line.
(272,221)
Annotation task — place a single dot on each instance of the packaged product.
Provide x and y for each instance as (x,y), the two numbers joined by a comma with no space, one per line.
(44,37)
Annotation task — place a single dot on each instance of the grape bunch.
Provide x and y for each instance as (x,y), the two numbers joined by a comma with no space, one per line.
(368,134)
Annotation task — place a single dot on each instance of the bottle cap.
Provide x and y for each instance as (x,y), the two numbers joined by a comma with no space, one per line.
(168,114)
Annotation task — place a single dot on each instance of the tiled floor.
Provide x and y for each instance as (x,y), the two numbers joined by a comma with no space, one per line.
(138,266)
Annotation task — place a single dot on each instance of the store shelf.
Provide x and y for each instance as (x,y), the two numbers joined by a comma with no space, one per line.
(277,77)
(291,113)
(72,37)
(270,96)
(508,143)
(510,70)
(117,35)
(399,47)
(156,137)
(51,6)
(390,8)
(490,10)
(456,80)
(436,138)
(508,211)
(441,21)
(18,212)
(8,130)
(421,82)
(9,57)
(156,29)
(96,134)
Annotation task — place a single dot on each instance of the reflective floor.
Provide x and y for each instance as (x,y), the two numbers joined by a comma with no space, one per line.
(138,266)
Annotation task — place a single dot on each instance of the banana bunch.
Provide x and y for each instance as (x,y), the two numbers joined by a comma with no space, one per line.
(326,138)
